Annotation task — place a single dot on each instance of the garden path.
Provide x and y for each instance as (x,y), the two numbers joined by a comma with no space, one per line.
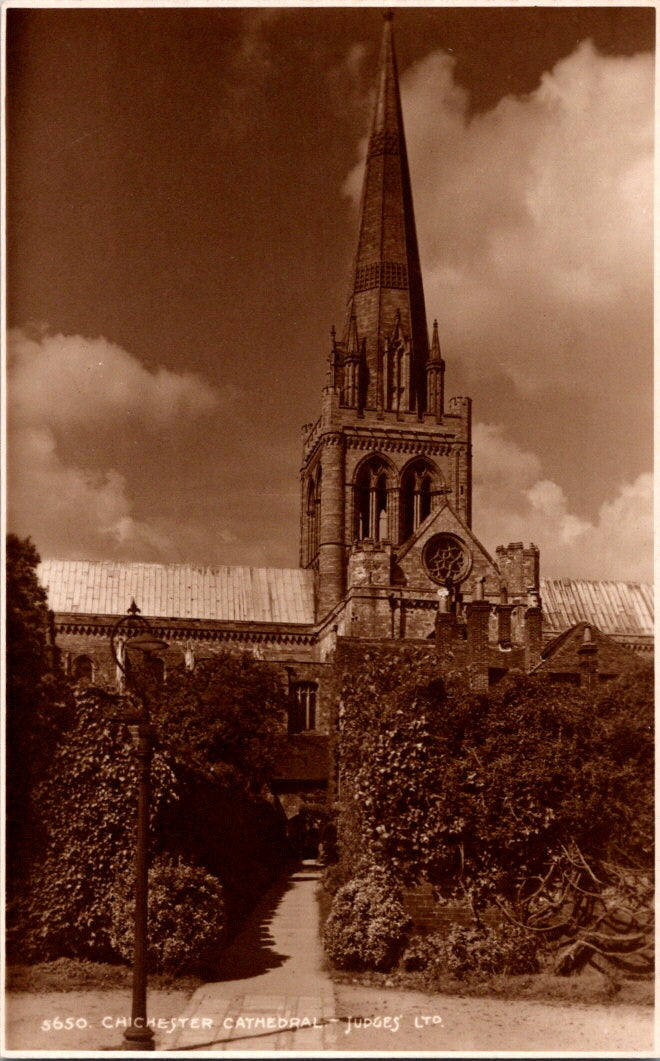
(271,992)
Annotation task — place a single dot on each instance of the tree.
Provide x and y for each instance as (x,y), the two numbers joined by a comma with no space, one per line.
(38,698)
(534,797)
(215,735)
(224,719)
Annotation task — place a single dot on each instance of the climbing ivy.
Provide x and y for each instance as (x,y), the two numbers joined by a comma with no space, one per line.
(520,797)
(215,737)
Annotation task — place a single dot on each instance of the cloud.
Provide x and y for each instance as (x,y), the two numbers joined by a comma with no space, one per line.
(513,501)
(535,226)
(70,510)
(535,219)
(69,381)
(64,391)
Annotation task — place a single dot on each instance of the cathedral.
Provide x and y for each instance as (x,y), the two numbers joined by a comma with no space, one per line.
(387,553)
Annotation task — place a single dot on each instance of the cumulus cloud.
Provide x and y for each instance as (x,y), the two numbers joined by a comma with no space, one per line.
(69,380)
(513,501)
(62,391)
(535,219)
(535,225)
(67,508)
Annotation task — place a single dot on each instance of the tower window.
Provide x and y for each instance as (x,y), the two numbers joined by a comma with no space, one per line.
(371,510)
(313,514)
(420,490)
(302,712)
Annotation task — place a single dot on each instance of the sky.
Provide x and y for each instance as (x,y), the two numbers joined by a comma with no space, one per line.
(182,200)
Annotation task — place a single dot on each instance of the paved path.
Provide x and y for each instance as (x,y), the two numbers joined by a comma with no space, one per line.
(271,993)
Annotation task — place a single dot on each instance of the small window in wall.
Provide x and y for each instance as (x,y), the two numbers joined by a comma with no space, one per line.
(82,669)
(495,675)
(565,677)
(302,712)
(157,669)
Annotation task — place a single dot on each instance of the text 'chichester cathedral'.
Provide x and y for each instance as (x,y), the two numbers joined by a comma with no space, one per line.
(387,554)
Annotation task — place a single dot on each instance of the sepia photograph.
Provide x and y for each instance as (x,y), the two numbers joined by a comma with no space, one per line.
(328,529)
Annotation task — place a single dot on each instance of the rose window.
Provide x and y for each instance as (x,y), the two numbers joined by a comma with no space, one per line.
(446,559)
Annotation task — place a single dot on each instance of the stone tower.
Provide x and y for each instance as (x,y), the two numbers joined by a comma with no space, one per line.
(387,466)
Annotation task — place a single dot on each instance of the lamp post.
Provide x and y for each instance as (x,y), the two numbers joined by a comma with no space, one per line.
(138,1036)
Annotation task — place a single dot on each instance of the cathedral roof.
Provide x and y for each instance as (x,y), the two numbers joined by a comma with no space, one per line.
(623,610)
(182,591)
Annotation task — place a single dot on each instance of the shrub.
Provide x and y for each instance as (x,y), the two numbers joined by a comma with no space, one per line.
(512,798)
(367,925)
(335,877)
(423,953)
(88,803)
(186,923)
(486,951)
(85,801)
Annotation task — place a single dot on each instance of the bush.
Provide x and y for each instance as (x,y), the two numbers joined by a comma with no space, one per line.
(88,804)
(186,924)
(367,925)
(509,798)
(206,811)
(423,953)
(335,877)
(473,952)
(486,951)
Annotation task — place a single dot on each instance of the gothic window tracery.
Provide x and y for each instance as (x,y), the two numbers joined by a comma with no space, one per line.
(446,559)
(302,712)
(420,491)
(371,502)
(313,512)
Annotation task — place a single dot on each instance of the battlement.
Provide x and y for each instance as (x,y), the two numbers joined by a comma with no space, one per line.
(519,567)
(460,406)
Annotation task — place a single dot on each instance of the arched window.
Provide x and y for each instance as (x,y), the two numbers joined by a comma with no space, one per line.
(317,512)
(156,669)
(313,513)
(420,490)
(371,495)
(302,711)
(82,669)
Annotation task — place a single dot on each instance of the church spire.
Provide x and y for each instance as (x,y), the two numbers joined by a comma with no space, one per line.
(386,296)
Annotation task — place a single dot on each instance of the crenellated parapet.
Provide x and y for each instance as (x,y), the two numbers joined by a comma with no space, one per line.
(520,570)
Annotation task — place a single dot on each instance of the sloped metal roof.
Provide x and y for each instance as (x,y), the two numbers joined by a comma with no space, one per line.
(616,608)
(286,595)
(182,591)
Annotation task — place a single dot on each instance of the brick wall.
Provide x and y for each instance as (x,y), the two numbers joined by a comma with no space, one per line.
(430,916)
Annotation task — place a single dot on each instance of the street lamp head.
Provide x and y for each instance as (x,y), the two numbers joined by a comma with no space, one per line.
(147,643)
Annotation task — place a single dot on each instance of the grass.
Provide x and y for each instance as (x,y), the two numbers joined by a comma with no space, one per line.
(74,974)
(587,988)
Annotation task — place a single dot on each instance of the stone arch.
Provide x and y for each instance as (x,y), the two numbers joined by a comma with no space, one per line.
(82,669)
(313,513)
(422,488)
(374,484)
